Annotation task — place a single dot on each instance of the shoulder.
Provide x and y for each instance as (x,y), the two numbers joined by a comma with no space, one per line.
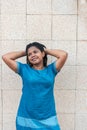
(21,66)
(52,67)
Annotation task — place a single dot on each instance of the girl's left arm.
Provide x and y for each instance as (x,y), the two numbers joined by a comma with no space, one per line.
(61,56)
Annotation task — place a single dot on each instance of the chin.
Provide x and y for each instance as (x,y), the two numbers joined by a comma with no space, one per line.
(34,63)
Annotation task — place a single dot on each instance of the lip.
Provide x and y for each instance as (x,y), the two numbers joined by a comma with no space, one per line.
(34,59)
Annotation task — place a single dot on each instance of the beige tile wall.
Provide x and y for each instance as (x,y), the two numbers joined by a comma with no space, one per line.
(58,24)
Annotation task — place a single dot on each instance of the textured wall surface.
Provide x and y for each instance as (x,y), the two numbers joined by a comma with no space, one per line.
(58,24)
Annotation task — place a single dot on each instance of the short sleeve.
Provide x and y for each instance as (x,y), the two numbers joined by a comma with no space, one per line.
(19,68)
(55,71)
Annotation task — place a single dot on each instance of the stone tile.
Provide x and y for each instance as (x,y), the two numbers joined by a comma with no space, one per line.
(39,7)
(66,120)
(68,46)
(47,43)
(82,53)
(0,28)
(10,79)
(13,45)
(13,6)
(81,77)
(38,27)
(81,101)
(0,108)
(65,101)
(0,126)
(9,122)
(13,27)
(64,6)
(82,7)
(0,52)
(64,27)
(82,27)
(66,79)
(11,100)
(7,46)
(81,121)
(20,45)
(0,76)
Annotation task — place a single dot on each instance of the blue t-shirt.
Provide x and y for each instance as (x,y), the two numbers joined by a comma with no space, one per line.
(37,100)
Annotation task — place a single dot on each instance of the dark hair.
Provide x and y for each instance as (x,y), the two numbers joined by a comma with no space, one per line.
(40,47)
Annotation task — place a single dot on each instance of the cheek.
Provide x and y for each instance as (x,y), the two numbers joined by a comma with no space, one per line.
(28,58)
(40,57)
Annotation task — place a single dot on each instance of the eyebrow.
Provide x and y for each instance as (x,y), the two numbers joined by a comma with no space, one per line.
(32,51)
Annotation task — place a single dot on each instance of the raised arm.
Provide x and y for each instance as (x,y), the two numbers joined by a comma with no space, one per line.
(61,56)
(10,58)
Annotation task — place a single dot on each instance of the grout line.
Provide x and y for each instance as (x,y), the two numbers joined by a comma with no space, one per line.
(65,113)
(0,21)
(39,40)
(76,67)
(0,7)
(52,14)
(77,35)
(51,27)
(2,109)
(11,89)
(26,21)
(51,20)
(54,89)
(51,7)
(1,100)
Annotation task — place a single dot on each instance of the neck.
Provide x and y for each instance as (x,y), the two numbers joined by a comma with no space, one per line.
(38,67)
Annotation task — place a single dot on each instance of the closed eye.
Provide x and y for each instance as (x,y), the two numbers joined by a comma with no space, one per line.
(29,54)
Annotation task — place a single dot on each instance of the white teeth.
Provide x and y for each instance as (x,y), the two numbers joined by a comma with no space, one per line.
(34,59)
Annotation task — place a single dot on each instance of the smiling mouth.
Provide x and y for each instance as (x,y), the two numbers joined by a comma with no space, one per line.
(34,59)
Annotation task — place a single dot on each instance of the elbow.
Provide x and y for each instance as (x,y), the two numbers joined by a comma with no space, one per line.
(65,56)
(4,57)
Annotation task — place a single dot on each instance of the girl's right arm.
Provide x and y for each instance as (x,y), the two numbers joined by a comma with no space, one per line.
(10,58)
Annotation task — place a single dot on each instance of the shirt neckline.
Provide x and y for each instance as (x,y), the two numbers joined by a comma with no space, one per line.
(39,70)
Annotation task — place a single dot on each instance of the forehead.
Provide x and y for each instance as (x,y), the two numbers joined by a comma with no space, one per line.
(32,48)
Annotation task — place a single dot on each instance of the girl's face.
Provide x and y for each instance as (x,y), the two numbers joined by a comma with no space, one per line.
(35,56)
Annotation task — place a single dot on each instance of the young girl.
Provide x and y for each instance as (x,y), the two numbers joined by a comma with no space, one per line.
(37,105)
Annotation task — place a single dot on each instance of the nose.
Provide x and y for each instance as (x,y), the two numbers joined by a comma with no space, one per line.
(33,55)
